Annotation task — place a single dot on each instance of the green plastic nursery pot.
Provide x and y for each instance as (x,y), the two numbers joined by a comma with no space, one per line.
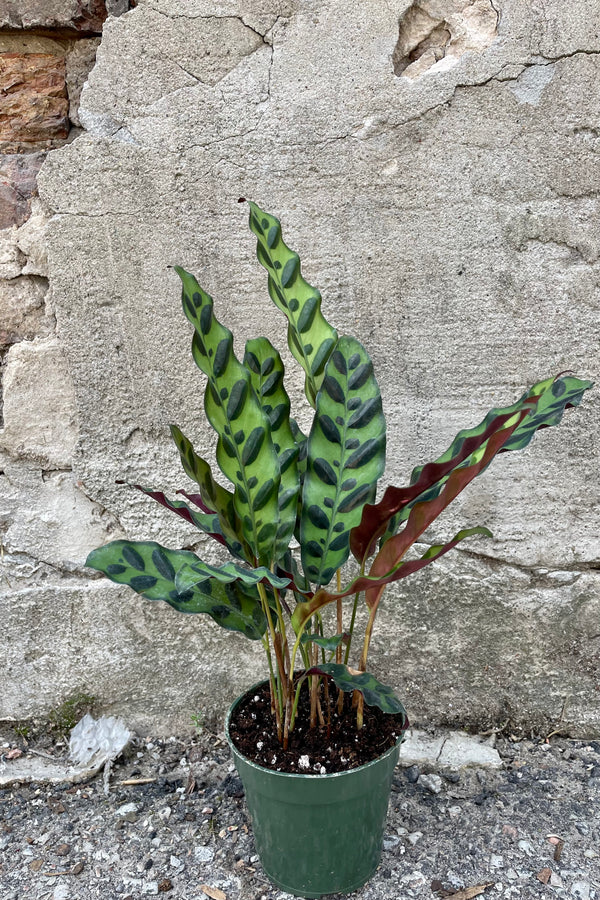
(317,834)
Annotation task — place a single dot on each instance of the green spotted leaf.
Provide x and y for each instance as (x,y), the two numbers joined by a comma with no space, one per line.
(288,567)
(245,450)
(196,572)
(346,457)
(310,337)
(330,644)
(152,570)
(266,373)
(374,692)
(214,498)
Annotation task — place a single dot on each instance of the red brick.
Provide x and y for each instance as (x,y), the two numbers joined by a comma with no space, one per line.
(18,184)
(34,108)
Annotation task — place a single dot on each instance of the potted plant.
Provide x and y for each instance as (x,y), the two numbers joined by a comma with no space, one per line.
(317,742)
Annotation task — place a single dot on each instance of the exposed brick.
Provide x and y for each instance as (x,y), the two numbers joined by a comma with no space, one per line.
(80,15)
(18,184)
(34,108)
(80,58)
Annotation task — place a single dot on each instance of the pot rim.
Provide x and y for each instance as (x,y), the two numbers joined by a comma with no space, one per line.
(312,776)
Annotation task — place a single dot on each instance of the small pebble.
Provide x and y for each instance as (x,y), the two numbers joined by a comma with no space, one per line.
(390,842)
(414,879)
(203,854)
(61,892)
(526,847)
(414,837)
(412,774)
(127,808)
(496,862)
(432,783)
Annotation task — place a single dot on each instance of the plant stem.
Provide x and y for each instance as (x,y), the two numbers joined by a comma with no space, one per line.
(276,708)
(359,711)
(314,682)
(281,668)
(340,630)
(348,645)
(362,666)
(289,718)
(281,623)
(281,679)
(353,619)
(295,647)
(294,706)
(320,712)
(340,622)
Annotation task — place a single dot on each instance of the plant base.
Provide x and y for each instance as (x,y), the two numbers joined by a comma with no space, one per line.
(318,834)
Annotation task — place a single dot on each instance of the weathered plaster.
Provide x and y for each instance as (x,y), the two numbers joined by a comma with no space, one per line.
(450,221)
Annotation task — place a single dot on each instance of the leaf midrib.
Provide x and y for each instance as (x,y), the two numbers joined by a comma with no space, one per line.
(291,317)
(241,467)
(344,450)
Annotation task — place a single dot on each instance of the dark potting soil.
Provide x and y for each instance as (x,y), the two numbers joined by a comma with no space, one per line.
(312,751)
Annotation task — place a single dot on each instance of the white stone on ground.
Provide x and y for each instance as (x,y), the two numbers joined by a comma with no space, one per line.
(453,751)
(432,783)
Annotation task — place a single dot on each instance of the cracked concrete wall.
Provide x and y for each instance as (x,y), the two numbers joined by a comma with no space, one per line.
(449,215)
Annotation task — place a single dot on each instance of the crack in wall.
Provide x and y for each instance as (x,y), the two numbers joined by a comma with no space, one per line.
(539,61)
(243,52)
(362,134)
(38,567)
(536,571)
(214,16)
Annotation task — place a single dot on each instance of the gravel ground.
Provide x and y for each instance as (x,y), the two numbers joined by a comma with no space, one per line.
(529,830)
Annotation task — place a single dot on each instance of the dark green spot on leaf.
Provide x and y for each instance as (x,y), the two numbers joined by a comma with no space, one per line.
(324,471)
(318,517)
(143,582)
(133,558)
(162,564)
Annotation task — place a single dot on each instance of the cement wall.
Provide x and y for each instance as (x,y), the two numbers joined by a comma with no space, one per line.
(437,167)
